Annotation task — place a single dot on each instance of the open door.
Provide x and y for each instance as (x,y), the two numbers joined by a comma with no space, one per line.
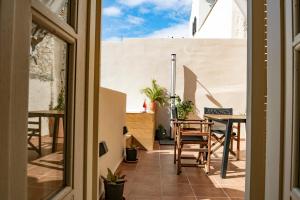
(47,82)
(57,67)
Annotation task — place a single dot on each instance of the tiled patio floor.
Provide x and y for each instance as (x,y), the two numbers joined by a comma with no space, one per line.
(154,178)
(45,173)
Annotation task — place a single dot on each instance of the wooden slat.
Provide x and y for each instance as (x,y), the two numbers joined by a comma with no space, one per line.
(142,127)
(194,133)
(195,150)
(188,157)
(225,117)
(34,129)
(191,165)
(34,123)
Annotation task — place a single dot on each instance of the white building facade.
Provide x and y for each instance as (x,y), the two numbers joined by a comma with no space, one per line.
(219,19)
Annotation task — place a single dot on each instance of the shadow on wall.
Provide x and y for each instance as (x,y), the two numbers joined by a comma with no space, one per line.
(191,83)
(210,96)
(190,87)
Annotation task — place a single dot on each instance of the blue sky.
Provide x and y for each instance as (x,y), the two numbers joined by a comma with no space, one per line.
(145,18)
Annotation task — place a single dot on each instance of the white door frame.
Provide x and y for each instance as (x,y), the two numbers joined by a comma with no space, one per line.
(91,180)
(291,186)
(15,37)
(275,100)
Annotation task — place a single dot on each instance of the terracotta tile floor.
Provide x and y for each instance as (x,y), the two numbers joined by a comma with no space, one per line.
(45,173)
(154,178)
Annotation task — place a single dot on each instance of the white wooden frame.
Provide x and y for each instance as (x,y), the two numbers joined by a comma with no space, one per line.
(87,36)
(275,100)
(48,20)
(15,18)
(91,181)
(292,99)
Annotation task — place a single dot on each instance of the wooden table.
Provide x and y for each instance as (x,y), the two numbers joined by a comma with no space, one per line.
(50,113)
(228,120)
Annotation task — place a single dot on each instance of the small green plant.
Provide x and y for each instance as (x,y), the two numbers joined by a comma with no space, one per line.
(156,93)
(184,108)
(161,127)
(60,100)
(161,132)
(133,146)
(114,178)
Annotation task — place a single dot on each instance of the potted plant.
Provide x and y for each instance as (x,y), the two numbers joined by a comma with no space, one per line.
(160,132)
(60,106)
(114,185)
(131,153)
(60,100)
(184,108)
(156,94)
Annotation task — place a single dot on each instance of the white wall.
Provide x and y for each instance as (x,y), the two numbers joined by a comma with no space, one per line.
(112,108)
(226,20)
(200,10)
(210,72)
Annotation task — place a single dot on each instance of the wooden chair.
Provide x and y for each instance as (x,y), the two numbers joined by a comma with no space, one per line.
(218,131)
(199,134)
(34,131)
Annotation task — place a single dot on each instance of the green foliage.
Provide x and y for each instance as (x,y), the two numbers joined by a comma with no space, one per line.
(114,178)
(156,93)
(160,132)
(161,127)
(60,100)
(184,108)
(133,146)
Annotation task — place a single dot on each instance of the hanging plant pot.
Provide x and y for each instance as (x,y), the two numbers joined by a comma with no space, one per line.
(114,191)
(131,154)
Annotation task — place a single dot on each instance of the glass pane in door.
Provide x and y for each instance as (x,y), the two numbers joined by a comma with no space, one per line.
(46,115)
(60,7)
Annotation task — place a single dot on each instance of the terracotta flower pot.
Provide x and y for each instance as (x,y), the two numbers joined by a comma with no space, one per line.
(153,106)
(51,127)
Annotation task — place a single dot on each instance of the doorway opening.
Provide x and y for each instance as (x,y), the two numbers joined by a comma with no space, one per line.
(209,39)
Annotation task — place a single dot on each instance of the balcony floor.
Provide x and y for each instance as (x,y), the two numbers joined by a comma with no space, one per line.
(154,178)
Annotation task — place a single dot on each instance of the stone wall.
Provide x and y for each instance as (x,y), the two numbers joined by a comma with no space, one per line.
(46,74)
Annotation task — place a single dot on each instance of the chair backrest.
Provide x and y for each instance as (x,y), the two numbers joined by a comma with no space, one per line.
(34,123)
(218,111)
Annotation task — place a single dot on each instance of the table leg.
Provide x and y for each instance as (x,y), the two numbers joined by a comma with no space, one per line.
(55,134)
(238,142)
(226,149)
